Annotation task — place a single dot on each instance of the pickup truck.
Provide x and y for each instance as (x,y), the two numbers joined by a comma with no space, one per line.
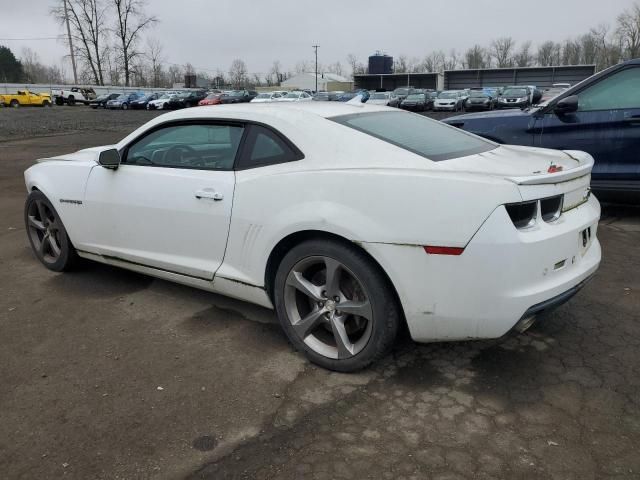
(75,94)
(24,98)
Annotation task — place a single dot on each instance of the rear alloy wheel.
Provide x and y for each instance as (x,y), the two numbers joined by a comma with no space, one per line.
(47,235)
(14,103)
(335,305)
(46,103)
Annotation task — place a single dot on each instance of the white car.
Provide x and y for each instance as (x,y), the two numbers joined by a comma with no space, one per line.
(388,99)
(296,97)
(349,220)
(452,100)
(266,97)
(161,103)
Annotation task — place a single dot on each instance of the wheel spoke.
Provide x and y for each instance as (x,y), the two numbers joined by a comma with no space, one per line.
(42,212)
(308,324)
(55,248)
(296,280)
(343,344)
(43,242)
(37,224)
(334,270)
(361,309)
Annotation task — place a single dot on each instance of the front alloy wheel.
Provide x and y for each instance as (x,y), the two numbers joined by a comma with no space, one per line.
(47,234)
(335,305)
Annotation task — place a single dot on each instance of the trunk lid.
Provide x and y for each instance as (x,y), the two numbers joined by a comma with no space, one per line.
(537,172)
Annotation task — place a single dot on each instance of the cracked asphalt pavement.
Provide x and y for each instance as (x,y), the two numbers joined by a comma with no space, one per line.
(107,374)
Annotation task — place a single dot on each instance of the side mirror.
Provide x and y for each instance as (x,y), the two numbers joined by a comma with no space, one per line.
(566,105)
(109,158)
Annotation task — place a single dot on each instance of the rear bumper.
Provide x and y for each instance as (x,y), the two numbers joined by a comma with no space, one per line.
(502,276)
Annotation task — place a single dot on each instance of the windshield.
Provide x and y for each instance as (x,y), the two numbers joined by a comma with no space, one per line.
(211,96)
(515,92)
(237,93)
(416,96)
(264,95)
(292,95)
(478,95)
(122,97)
(379,96)
(448,95)
(418,134)
(401,91)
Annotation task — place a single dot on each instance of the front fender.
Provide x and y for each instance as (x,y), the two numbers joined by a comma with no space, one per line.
(63,183)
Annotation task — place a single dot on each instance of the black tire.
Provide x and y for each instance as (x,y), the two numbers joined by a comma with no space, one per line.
(46,103)
(67,257)
(14,103)
(125,106)
(71,100)
(59,101)
(385,312)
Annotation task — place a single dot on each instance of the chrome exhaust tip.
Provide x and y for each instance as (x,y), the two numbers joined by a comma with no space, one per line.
(524,324)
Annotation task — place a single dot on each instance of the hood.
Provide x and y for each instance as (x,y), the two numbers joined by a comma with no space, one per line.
(445,100)
(84,155)
(525,165)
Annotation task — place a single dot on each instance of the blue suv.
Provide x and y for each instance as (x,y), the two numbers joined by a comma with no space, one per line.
(600,115)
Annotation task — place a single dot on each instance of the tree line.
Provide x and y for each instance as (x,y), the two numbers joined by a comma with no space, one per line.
(110,48)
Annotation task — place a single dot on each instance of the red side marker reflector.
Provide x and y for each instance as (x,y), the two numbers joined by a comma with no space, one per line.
(554,169)
(443,250)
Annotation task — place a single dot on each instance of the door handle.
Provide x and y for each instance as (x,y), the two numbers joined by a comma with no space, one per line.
(209,193)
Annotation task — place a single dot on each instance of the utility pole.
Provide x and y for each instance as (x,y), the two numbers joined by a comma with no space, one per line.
(73,57)
(315,47)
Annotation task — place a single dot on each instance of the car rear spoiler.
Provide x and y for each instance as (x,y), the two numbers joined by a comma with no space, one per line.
(585,167)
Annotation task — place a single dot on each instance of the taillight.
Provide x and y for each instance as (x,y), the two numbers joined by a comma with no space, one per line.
(551,208)
(523,214)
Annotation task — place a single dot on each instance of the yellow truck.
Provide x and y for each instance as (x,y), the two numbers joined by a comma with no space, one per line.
(24,98)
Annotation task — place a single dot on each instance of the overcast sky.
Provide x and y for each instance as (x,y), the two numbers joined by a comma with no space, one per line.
(211,33)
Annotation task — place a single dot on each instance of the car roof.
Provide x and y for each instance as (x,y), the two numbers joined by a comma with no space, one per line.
(263,111)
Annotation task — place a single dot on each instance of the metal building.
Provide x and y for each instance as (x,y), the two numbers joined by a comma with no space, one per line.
(392,81)
(497,77)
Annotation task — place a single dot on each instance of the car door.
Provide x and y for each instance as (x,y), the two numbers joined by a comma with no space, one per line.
(168,205)
(606,125)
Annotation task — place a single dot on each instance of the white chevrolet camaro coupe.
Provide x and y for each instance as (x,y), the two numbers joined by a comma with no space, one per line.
(348,220)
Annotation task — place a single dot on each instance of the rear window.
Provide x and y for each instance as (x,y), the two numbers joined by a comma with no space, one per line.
(418,134)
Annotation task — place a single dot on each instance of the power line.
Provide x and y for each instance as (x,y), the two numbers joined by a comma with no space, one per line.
(29,39)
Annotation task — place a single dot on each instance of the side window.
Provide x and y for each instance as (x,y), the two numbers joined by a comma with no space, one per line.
(618,91)
(199,146)
(264,147)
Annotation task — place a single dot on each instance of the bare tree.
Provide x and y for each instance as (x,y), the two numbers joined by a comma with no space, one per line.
(86,21)
(238,73)
(401,64)
(356,67)
(545,53)
(628,30)
(451,61)
(571,52)
(304,66)
(156,59)
(502,51)
(335,68)
(175,74)
(131,21)
(475,57)
(434,62)
(523,58)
